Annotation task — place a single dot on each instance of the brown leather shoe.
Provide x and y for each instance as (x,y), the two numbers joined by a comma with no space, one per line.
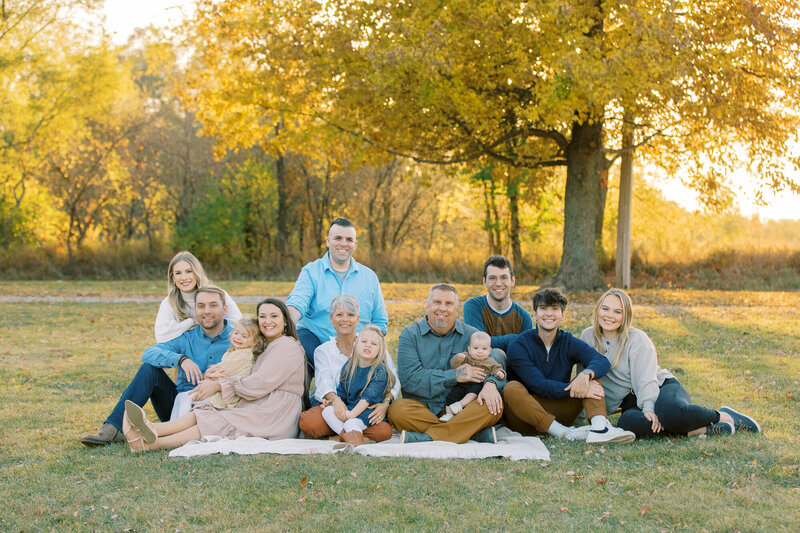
(107,434)
(356,438)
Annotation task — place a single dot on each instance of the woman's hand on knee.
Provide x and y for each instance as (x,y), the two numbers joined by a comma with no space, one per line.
(655,424)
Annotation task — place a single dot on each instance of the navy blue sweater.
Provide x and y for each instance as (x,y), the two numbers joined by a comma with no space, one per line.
(547,375)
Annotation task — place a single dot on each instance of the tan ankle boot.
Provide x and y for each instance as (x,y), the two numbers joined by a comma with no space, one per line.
(356,438)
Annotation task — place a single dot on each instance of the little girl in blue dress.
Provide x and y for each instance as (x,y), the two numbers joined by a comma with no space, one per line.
(363,381)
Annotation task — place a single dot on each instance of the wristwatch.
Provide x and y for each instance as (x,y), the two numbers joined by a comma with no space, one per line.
(589,372)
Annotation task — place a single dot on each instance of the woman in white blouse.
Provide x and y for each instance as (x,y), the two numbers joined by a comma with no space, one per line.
(329,358)
(176,312)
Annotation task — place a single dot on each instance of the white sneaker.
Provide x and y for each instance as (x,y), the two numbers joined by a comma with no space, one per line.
(445,417)
(579,433)
(610,434)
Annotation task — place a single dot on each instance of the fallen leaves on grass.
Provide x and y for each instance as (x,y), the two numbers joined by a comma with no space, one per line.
(302,498)
(303,482)
(643,510)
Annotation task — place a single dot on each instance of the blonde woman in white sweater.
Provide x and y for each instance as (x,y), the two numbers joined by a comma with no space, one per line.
(176,312)
(653,401)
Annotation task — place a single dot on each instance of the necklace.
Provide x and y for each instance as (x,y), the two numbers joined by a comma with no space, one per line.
(349,352)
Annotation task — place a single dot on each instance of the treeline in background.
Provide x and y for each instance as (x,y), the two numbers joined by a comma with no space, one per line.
(106,171)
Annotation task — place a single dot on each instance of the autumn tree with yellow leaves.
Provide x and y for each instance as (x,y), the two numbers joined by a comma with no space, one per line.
(710,85)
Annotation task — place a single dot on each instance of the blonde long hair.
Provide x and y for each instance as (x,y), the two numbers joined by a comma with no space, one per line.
(624,329)
(356,360)
(176,300)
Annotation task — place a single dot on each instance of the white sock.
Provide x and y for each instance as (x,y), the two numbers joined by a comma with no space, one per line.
(330,418)
(557,430)
(599,422)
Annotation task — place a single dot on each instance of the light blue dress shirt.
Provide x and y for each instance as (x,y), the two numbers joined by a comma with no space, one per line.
(194,344)
(317,286)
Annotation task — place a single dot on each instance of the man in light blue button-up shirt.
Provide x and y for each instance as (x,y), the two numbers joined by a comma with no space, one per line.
(193,352)
(322,280)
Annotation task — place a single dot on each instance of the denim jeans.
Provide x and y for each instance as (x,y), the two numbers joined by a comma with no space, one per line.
(309,341)
(675,411)
(149,383)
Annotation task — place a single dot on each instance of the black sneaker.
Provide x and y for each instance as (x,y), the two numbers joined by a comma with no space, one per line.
(741,421)
(720,428)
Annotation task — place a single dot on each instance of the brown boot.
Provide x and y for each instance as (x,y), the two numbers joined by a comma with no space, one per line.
(356,438)
(107,434)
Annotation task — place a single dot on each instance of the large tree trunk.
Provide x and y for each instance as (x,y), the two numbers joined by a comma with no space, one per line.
(582,199)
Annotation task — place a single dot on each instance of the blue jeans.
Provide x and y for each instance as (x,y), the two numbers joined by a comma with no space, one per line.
(309,341)
(674,409)
(149,383)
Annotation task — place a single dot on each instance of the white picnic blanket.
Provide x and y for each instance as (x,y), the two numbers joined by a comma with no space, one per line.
(510,445)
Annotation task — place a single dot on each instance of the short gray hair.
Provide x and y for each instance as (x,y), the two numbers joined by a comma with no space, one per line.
(347,302)
(443,287)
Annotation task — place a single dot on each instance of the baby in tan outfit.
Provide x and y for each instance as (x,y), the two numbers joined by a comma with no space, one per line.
(477,354)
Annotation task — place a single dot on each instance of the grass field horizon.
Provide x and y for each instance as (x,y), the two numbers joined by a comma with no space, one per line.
(65,362)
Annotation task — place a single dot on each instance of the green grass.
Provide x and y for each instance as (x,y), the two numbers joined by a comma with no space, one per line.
(63,365)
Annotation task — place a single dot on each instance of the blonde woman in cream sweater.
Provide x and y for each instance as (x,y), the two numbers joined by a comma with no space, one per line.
(652,400)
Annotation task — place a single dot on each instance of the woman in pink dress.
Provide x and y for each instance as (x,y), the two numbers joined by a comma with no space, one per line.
(270,396)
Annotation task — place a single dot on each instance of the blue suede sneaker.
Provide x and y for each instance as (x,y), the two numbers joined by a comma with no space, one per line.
(741,421)
(720,428)
(408,437)
(488,435)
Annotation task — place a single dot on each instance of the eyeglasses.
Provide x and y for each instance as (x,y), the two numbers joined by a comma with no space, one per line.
(493,279)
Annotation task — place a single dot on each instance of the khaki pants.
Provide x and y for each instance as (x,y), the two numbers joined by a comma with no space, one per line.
(412,415)
(531,415)
(313,425)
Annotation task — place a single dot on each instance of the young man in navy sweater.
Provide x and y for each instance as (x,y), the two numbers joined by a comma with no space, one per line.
(539,397)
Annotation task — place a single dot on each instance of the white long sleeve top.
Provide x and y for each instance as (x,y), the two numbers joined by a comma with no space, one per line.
(328,363)
(168,326)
